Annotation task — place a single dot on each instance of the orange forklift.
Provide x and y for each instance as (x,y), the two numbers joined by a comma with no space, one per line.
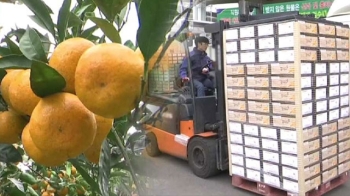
(194,128)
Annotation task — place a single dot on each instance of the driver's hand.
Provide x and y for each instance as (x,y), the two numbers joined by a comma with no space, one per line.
(205,70)
(185,79)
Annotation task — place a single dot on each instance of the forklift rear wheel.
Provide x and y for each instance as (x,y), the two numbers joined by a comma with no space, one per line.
(202,157)
(152,145)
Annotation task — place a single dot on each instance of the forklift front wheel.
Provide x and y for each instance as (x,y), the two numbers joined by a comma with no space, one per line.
(152,145)
(202,157)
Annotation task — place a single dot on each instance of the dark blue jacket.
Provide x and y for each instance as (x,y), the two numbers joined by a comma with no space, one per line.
(199,60)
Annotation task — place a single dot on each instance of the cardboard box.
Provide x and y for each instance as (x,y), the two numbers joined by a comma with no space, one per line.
(269,144)
(329,128)
(267,56)
(342,31)
(344,134)
(258,82)
(284,122)
(342,55)
(247,32)
(235,127)
(283,82)
(272,180)
(328,55)
(310,159)
(235,70)
(286,41)
(321,93)
(329,140)
(254,106)
(344,67)
(235,81)
(342,43)
(343,145)
(248,44)
(288,109)
(327,42)
(232,46)
(252,164)
(237,149)
(251,141)
(320,68)
(268,132)
(334,68)
(252,152)
(235,93)
(343,123)
(232,58)
(265,29)
(258,119)
(236,105)
(237,170)
(237,160)
(344,78)
(344,101)
(247,57)
(267,43)
(333,114)
(334,79)
(282,68)
(257,69)
(251,130)
(333,91)
(329,163)
(236,138)
(344,156)
(231,34)
(344,90)
(270,156)
(253,175)
(271,168)
(344,167)
(309,41)
(279,95)
(329,174)
(325,29)
(258,94)
(329,151)
(308,172)
(237,116)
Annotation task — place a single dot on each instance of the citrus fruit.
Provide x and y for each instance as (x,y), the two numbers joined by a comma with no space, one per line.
(108,79)
(65,58)
(42,157)
(21,96)
(61,123)
(5,84)
(11,127)
(104,125)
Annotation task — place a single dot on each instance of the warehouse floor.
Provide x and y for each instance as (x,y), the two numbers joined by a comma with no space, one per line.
(171,176)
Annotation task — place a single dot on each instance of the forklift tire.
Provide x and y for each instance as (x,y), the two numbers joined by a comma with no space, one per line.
(202,157)
(152,145)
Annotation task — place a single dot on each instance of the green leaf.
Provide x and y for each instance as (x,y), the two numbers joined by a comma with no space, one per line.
(156,18)
(45,80)
(41,10)
(12,46)
(27,178)
(94,186)
(37,21)
(74,20)
(107,28)
(130,44)
(120,17)
(15,62)
(88,32)
(4,51)
(79,12)
(31,46)
(110,8)
(9,154)
(104,169)
(2,74)
(62,20)
(18,33)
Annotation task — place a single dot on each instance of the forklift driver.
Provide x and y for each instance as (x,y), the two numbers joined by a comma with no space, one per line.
(201,65)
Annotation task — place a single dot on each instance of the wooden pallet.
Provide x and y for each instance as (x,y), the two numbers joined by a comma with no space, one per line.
(267,190)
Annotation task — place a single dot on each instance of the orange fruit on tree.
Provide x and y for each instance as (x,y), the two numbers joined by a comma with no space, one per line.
(104,125)
(42,157)
(5,84)
(65,58)
(22,98)
(61,123)
(11,127)
(108,79)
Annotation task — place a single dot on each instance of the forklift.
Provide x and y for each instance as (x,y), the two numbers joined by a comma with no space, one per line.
(194,128)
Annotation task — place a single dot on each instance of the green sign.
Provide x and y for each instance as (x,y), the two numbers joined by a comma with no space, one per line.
(317,7)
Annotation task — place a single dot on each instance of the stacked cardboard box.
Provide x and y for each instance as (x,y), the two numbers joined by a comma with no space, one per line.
(287,102)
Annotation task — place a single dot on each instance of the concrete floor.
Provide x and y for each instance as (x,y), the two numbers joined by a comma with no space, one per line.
(170,176)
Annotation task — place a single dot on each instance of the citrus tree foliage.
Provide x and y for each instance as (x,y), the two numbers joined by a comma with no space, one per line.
(26,48)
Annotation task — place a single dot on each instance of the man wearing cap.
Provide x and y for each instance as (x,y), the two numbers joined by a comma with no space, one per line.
(201,64)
